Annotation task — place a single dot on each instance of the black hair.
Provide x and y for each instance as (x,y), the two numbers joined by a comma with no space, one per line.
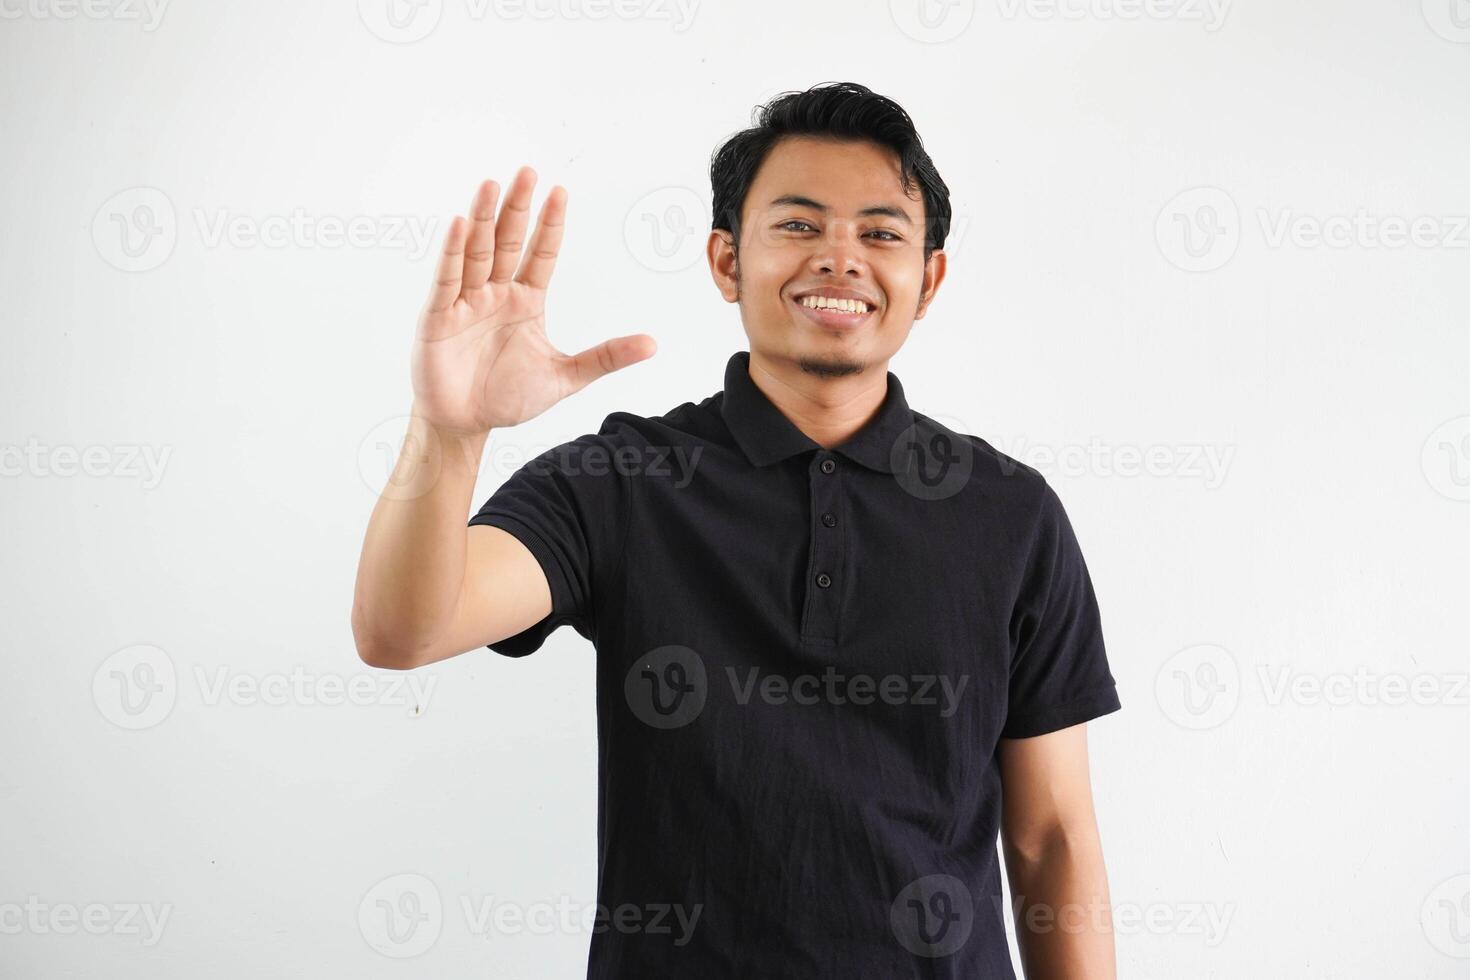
(832,110)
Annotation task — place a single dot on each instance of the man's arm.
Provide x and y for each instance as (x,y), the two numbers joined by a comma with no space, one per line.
(436,588)
(1054,859)
(428,585)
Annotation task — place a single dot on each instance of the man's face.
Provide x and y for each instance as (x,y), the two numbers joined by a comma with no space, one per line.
(827,218)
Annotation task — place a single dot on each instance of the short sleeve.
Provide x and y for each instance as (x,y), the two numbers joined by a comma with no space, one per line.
(567,506)
(1059,673)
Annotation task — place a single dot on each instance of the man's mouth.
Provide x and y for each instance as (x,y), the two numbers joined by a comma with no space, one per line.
(834,311)
(840,305)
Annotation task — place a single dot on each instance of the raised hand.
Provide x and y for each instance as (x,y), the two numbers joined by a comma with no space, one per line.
(481,358)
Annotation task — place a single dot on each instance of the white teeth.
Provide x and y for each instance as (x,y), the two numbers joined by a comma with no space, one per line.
(841,305)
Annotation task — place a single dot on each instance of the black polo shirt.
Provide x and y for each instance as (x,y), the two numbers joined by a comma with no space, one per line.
(805,658)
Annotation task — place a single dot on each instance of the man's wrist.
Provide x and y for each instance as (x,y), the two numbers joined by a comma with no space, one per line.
(439,446)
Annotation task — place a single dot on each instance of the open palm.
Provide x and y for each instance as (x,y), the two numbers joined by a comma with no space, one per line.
(481,358)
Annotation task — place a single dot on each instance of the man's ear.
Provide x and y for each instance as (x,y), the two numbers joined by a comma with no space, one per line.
(934,270)
(723,263)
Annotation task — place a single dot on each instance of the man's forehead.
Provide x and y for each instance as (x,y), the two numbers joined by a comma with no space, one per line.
(841,177)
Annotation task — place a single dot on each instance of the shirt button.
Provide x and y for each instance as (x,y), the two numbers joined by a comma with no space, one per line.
(829,520)
(828,466)
(824,580)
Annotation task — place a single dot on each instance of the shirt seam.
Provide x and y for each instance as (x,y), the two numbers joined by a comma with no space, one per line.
(622,551)
(1052,709)
(546,555)
(1036,535)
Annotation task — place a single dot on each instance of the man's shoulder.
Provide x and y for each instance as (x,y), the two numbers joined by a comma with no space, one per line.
(989,468)
(685,422)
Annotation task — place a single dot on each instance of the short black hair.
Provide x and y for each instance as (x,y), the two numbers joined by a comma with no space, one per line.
(831,110)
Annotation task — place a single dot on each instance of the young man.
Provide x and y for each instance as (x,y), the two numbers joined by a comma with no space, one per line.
(840,648)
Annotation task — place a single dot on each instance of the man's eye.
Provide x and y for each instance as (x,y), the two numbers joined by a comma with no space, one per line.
(796,224)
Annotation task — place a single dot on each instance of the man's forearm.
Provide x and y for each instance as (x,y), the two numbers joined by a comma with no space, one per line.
(1062,908)
(413,555)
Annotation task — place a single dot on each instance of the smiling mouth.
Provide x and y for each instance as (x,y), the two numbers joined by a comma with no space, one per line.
(829,303)
(834,312)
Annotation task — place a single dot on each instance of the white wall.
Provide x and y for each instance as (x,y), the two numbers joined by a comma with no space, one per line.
(232,400)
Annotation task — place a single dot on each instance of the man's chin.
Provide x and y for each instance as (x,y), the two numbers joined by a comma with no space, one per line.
(829,365)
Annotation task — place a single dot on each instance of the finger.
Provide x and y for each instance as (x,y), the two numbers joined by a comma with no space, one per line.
(510,228)
(481,250)
(451,264)
(582,369)
(546,242)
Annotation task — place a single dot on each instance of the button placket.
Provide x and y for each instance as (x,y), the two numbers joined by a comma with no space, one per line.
(825,560)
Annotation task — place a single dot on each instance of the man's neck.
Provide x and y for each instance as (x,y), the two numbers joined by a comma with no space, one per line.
(827,410)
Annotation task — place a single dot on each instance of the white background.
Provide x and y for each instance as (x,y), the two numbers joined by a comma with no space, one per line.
(1324,547)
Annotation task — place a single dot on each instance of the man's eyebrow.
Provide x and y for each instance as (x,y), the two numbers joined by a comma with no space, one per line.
(796,200)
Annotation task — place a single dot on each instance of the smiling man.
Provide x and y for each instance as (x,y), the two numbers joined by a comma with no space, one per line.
(841,650)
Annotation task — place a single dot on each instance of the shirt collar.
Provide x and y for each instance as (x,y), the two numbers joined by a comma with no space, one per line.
(768,436)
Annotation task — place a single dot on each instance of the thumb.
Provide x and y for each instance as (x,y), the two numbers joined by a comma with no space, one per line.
(582,369)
